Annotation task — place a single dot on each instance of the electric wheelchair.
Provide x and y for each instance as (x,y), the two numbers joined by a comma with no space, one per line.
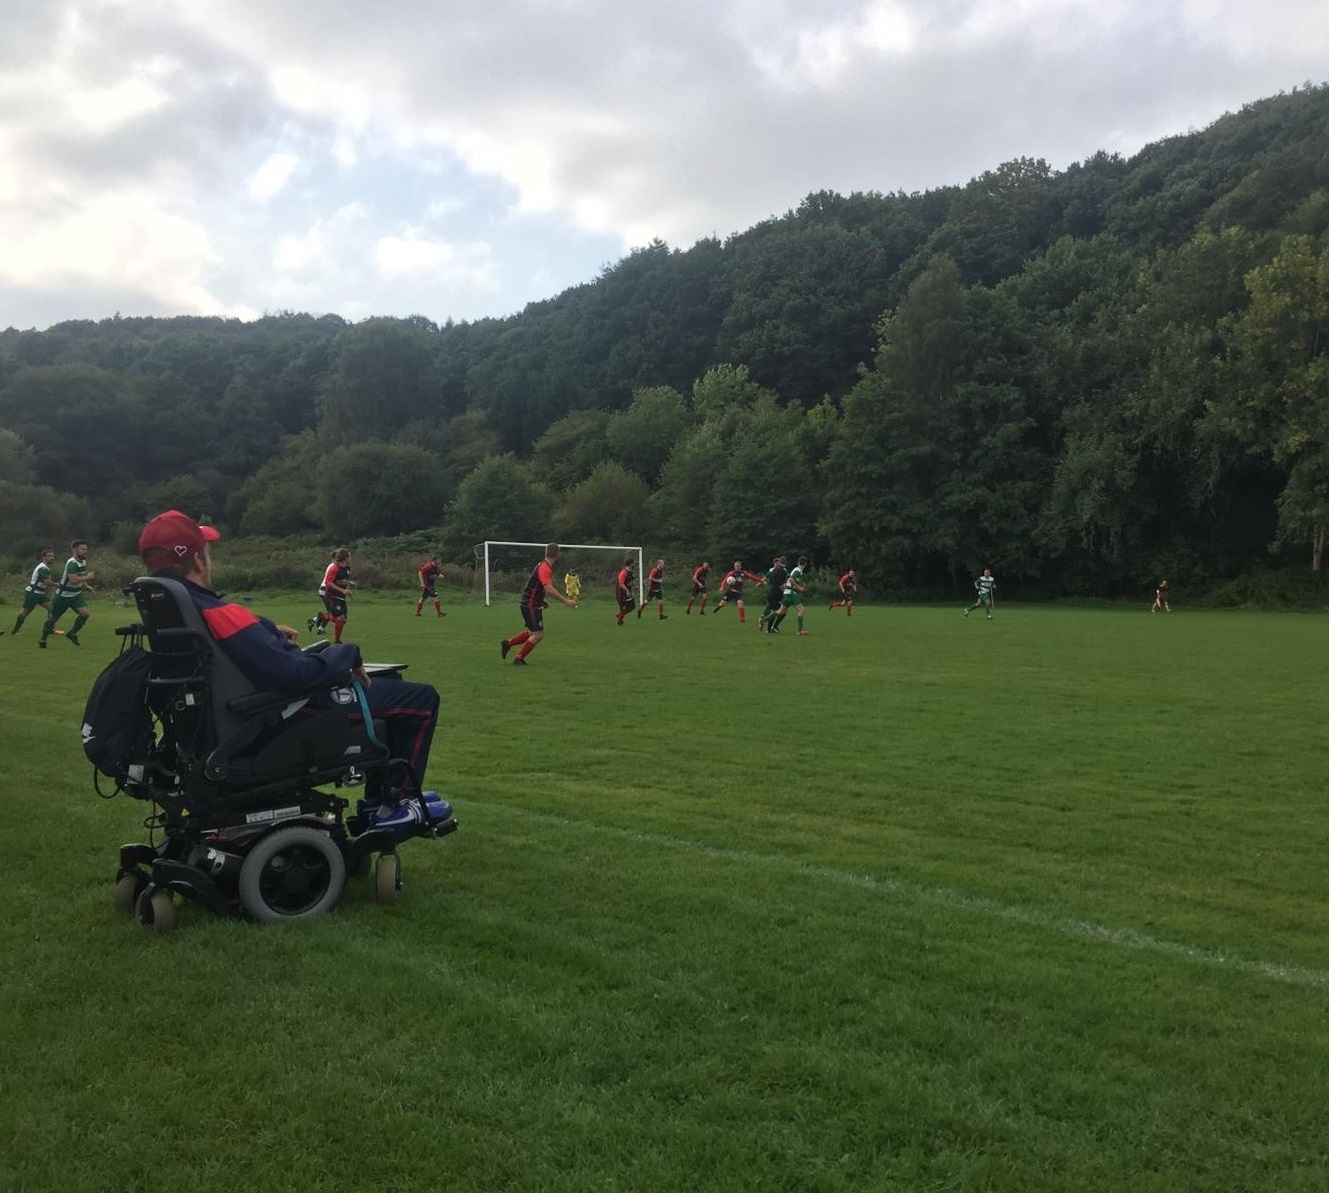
(242,821)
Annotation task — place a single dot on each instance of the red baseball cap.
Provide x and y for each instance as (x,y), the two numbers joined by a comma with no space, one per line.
(171,537)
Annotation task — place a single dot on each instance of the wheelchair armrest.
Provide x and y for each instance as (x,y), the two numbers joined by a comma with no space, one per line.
(264,701)
(261,701)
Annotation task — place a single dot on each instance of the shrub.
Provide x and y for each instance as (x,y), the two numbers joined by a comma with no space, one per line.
(1274,589)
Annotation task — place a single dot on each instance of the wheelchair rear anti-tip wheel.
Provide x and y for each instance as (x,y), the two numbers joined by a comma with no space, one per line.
(292,873)
(387,878)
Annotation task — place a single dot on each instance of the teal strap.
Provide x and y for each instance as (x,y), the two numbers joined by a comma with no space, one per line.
(368,716)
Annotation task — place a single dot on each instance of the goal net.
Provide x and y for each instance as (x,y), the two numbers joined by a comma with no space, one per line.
(505,567)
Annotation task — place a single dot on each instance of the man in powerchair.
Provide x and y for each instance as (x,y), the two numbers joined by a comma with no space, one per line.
(174,545)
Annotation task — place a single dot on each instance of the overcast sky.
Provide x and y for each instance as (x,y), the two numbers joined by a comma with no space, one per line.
(461,158)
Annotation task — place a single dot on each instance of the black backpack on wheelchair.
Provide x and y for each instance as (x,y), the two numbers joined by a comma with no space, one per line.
(243,821)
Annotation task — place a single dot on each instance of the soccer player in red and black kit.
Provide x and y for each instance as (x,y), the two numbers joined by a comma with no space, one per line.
(335,591)
(533,601)
(731,588)
(700,574)
(623,590)
(655,589)
(848,586)
(429,572)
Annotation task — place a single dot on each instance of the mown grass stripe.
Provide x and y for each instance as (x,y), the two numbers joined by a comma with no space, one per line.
(1129,938)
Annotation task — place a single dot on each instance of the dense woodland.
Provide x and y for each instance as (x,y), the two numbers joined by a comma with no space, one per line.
(1087,380)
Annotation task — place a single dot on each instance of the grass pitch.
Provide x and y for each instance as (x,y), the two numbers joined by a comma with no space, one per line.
(915,902)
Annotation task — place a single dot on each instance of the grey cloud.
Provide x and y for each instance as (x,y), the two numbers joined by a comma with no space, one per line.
(627,120)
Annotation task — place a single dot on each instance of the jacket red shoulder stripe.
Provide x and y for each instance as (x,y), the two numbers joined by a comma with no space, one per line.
(225,620)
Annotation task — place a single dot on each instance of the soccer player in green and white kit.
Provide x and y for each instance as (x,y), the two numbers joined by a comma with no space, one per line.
(792,597)
(71,593)
(984,586)
(38,592)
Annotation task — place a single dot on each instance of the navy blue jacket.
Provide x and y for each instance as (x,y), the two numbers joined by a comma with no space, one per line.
(264,653)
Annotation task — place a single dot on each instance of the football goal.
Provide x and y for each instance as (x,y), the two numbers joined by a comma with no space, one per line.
(506,566)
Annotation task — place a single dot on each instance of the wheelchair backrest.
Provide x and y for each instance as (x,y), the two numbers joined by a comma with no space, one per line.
(189,669)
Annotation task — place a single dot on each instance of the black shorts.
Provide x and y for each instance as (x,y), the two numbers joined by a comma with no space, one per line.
(655,593)
(533,617)
(626,604)
(698,590)
(336,606)
(428,594)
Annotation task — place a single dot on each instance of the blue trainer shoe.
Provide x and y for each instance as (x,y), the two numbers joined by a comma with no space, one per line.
(406,814)
(439,808)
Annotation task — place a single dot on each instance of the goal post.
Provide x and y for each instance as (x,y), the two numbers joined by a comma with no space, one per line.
(492,554)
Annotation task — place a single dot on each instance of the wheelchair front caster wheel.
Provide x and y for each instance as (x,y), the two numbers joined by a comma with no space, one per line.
(155,909)
(387,878)
(127,890)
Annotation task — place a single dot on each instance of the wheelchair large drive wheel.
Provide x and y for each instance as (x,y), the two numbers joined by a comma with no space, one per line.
(292,873)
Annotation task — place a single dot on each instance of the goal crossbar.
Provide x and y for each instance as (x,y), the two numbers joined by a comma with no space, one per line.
(482,552)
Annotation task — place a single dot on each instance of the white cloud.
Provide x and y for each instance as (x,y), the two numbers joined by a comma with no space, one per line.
(318,248)
(412,254)
(121,236)
(101,109)
(270,179)
(353,155)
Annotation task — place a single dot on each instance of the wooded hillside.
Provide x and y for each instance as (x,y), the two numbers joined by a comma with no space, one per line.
(1086,379)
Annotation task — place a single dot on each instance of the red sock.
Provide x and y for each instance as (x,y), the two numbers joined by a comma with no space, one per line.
(525,650)
(520,638)
(660,608)
(742,613)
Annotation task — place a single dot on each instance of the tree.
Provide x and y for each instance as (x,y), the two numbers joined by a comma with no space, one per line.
(724,391)
(767,499)
(571,449)
(1284,374)
(379,488)
(18,462)
(458,445)
(384,374)
(688,484)
(610,506)
(805,296)
(937,467)
(279,498)
(498,500)
(91,435)
(34,517)
(642,436)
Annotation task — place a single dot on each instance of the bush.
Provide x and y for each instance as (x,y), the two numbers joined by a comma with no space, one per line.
(1273,589)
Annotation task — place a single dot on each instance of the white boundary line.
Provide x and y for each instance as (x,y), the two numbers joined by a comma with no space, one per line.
(1129,938)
